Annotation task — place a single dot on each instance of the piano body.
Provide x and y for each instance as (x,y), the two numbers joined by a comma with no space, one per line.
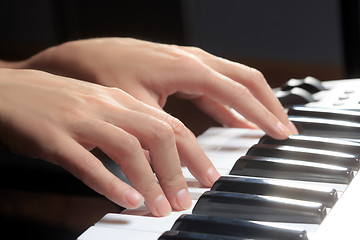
(233,151)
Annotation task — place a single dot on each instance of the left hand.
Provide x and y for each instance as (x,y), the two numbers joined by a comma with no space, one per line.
(151,72)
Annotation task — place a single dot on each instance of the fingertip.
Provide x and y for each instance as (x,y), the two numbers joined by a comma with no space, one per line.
(133,198)
(212,176)
(283,131)
(293,128)
(183,199)
(162,206)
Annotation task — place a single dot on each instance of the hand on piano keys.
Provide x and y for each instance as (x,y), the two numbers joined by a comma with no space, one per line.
(149,72)
(304,187)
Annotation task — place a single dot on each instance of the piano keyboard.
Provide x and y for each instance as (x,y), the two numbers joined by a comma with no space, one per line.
(305,187)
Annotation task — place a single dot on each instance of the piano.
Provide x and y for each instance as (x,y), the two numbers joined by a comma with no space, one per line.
(305,187)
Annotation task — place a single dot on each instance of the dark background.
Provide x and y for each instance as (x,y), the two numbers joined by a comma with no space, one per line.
(283,39)
(312,37)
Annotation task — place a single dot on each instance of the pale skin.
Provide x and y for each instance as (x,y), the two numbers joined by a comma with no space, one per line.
(51,114)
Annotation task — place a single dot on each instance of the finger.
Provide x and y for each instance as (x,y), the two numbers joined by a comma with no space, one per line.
(193,156)
(157,136)
(202,79)
(222,114)
(83,165)
(125,149)
(188,148)
(250,78)
(195,77)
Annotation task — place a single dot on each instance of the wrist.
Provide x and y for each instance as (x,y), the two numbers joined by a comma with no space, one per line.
(12,64)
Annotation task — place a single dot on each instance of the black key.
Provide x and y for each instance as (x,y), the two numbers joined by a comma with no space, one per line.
(338,145)
(295,96)
(322,127)
(278,168)
(272,187)
(305,154)
(235,227)
(310,84)
(259,208)
(327,113)
(183,235)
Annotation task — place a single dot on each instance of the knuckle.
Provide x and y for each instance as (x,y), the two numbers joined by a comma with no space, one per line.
(80,126)
(178,127)
(162,131)
(114,91)
(132,148)
(149,187)
(196,50)
(104,97)
(128,149)
(188,60)
(254,80)
(257,76)
(191,64)
(256,73)
(243,91)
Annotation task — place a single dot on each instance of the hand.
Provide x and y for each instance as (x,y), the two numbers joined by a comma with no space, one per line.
(60,119)
(151,72)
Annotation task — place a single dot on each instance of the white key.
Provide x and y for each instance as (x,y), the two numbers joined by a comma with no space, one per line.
(104,233)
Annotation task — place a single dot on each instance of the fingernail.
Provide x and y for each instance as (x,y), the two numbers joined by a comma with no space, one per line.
(162,206)
(133,198)
(293,128)
(212,175)
(283,129)
(183,198)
